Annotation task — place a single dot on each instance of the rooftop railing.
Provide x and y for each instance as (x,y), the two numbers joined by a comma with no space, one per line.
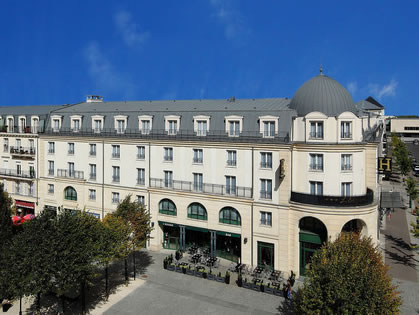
(334,201)
(162,134)
(20,129)
(212,189)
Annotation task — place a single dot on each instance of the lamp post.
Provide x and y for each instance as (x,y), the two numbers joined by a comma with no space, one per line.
(20,306)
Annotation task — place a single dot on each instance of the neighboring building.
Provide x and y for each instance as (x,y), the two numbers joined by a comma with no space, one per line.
(405,127)
(265,181)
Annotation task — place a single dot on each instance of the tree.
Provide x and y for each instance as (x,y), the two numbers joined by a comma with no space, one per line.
(136,215)
(6,231)
(411,189)
(348,276)
(400,152)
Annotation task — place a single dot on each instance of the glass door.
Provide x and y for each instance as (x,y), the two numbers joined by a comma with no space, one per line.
(266,255)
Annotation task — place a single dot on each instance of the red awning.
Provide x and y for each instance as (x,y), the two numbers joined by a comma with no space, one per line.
(25,204)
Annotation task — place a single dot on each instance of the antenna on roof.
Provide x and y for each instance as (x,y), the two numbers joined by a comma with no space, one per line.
(321,70)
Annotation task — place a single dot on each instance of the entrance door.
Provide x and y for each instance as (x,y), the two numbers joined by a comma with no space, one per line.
(307,252)
(171,237)
(266,254)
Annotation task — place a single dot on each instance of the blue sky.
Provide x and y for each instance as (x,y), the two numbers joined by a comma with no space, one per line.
(57,52)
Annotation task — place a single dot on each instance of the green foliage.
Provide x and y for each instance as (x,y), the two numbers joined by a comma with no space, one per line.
(415,227)
(348,276)
(139,219)
(401,154)
(5,218)
(411,189)
(118,244)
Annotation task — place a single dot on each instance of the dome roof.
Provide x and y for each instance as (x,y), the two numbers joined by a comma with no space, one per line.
(322,94)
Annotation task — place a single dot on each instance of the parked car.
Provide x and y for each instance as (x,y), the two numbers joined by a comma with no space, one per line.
(416,142)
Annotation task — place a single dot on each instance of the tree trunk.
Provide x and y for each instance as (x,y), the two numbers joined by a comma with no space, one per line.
(133,258)
(83,297)
(62,303)
(38,302)
(126,269)
(106,282)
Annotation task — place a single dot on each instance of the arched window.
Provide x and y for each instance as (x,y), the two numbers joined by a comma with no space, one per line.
(70,193)
(197,211)
(230,215)
(166,206)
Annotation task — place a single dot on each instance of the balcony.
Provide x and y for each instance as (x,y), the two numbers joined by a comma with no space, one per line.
(20,129)
(70,174)
(212,189)
(15,173)
(22,151)
(334,201)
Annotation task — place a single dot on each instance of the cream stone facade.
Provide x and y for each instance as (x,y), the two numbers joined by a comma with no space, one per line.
(260,181)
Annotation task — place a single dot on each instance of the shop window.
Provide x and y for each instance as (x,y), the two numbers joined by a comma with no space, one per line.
(197,211)
(230,215)
(167,206)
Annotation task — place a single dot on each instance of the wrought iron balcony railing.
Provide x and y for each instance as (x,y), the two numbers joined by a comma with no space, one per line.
(334,201)
(212,189)
(22,150)
(70,174)
(16,173)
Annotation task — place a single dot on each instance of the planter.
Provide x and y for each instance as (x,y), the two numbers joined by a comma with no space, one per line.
(278,292)
(171,267)
(220,279)
(199,274)
(269,290)
(211,276)
(255,287)
(179,269)
(247,285)
(190,272)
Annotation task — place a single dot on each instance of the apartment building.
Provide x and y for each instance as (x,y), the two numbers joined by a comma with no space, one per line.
(261,181)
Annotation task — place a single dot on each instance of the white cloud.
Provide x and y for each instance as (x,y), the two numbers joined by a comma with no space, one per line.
(230,17)
(101,71)
(352,87)
(130,31)
(383,90)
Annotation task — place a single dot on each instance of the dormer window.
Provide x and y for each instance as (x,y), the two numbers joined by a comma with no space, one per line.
(145,124)
(22,124)
(346,130)
(75,123)
(201,125)
(97,123)
(120,124)
(172,124)
(10,124)
(35,124)
(268,126)
(234,125)
(56,123)
(316,130)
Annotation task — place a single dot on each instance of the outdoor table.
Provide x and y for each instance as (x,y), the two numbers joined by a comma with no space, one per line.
(211,261)
(275,275)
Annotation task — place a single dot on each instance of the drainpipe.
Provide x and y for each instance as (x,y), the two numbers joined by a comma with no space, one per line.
(251,211)
(149,182)
(37,170)
(103,179)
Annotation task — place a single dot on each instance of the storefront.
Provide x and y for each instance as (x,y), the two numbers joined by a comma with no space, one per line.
(221,244)
(266,254)
(25,207)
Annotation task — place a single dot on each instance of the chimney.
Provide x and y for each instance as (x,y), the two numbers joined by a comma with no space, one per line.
(94,99)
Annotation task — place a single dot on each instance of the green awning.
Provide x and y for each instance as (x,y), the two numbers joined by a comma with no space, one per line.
(228,234)
(310,237)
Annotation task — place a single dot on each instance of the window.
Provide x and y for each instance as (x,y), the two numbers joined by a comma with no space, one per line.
(231,185)
(202,128)
(18,188)
(166,206)
(172,127)
(346,130)
(31,145)
(316,188)
(231,158)
(76,125)
(92,194)
(92,174)
(92,150)
(18,169)
(115,174)
(116,153)
(140,176)
(266,188)
(70,194)
(35,125)
(168,179)
(346,162)
(197,211)
(269,129)
(140,152)
(266,160)
(266,218)
(71,172)
(51,168)
(6,145)
(120,126)
(316,130)
(22,125)
(316,162)
(145,127)
(197,181)
(97,125)
(55,124)
(18,143)
(234,128)
(197,156)
(229,215)
(71,148)
(168,154)
(51,147)
(31,171)
(141,200)
(115,197)
(30,189)
(10,124)
(346,189)
(50,188)
(5,185)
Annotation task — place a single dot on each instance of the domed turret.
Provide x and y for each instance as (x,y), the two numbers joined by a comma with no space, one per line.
(322,94)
